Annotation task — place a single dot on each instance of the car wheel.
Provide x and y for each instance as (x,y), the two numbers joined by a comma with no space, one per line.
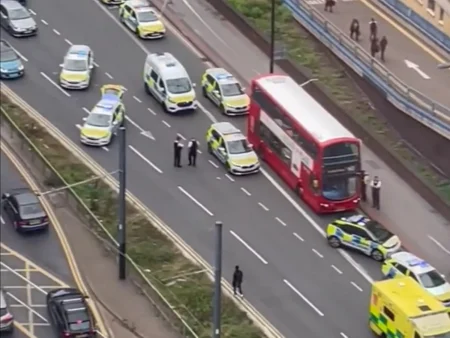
(165,107)
(334,242)
(210,148)
(228,168)
(377,255)
(205,94)
(223,110)
(137,32)
(147,89)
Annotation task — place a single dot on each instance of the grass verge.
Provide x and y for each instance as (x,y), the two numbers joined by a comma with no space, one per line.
(307,52)
(149,248)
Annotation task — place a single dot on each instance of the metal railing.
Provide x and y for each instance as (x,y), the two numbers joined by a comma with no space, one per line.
(412,102)
(148,285)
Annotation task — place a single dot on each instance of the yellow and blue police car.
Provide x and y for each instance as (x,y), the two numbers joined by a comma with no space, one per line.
(402,264)
(225,91)
(231,147)
(103,121)
(112,89)
(142,19)
(363,234)
(77,68)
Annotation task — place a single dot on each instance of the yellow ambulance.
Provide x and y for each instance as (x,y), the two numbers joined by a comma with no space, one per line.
(400,308)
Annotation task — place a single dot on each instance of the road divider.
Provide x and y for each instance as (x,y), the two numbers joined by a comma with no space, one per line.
(160,293)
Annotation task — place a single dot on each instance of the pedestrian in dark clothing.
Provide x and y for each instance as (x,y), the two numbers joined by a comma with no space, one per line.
(383,45)
(329,4)
(238,278)
(373,26)
(376,185)
(354,30)
(177,148)
(192,151)
(364,182)
(374,47)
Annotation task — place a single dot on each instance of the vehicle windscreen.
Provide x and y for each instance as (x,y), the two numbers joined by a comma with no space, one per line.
(19,14)
(29,211)
(147,17)
(231,89)
(75,65)
(380,233)
(431,279)
(238,147)
(179,86)
(99,120)
(8,55)
(78,321)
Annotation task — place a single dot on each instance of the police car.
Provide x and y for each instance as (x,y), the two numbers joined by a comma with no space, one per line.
(231,147)
(103,121)
(406,264)
(142,19)
(111,89)
(166,79)
(225,91)
(77,68)
(362,234)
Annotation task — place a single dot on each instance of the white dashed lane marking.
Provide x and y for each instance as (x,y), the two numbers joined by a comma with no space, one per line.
(108,75)
(336,269)
(166,124)
(56,32)
(280,221)
(137,99)
(44,22)
(213,164)
(229,177)
(357,286)
(246,191)
(298,236)
(263,206)
(68,42)
(317,253)
(244,243)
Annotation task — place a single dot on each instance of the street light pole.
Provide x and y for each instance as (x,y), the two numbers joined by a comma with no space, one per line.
(217,282)
(122,230)
(272,37)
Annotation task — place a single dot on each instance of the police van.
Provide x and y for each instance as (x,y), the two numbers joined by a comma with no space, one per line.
(168,82)
(401,308)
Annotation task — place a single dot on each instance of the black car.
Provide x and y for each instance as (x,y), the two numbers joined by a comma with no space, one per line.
(70,314)
(16,19)
(24,209)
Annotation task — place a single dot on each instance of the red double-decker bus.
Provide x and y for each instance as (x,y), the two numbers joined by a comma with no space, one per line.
(313,153)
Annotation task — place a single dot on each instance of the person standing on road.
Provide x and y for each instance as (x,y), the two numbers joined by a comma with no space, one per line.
(383,45)
(375,185)
(192,151)
(354,30)
(238,278)
(177,148)
(364,181)
(329,4)
(373,27)
(374,47)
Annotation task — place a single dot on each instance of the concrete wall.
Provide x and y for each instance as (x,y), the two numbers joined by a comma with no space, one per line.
(436,12)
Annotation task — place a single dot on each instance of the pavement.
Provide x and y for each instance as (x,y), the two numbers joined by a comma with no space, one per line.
(31,265)
(407,57)
(292,277)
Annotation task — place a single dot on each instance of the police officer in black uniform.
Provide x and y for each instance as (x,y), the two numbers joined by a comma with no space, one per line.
(177,148)
(238,278)
(192,151)
(376,185)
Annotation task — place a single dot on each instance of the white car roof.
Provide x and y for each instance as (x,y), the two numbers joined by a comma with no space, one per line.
(226,128)
(412,262)
(78,52)
(168,66)
(303,108)
(222,75)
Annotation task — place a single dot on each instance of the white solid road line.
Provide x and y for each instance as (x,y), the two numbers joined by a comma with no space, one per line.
(144,132)
(2,220)
(246,191)
(298,236)
(253,251)
(150,163)
(229,177)
(263,206)
(19,54)
(316,226)
(37,287)
(336,269)
(280,221)
(356,286)
(213,164)
(28,307)
(55,84)
(193,199)
(317,253)
(442,247)
(307,301)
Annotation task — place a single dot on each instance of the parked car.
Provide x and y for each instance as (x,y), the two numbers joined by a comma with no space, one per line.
(16,19)
(6,318)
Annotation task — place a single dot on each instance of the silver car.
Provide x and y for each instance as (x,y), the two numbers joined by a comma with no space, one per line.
(6,318)
(16,19)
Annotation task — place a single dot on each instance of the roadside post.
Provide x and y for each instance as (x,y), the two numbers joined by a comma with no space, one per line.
(217,282)
(122,230)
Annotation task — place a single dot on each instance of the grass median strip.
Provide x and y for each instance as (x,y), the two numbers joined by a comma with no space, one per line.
(174,275)
(312,56)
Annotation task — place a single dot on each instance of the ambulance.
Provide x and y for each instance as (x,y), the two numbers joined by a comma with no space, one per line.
(401,308)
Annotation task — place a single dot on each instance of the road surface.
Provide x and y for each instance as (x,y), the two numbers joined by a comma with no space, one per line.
(292,276)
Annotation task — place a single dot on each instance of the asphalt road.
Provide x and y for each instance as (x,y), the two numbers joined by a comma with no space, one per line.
(291,275)
(31,265)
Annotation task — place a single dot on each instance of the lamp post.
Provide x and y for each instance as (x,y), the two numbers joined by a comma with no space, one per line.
(217,282)
(272,37)
(122,230)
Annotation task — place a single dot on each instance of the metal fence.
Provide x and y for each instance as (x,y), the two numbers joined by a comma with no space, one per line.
(412,102)
(147,285)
